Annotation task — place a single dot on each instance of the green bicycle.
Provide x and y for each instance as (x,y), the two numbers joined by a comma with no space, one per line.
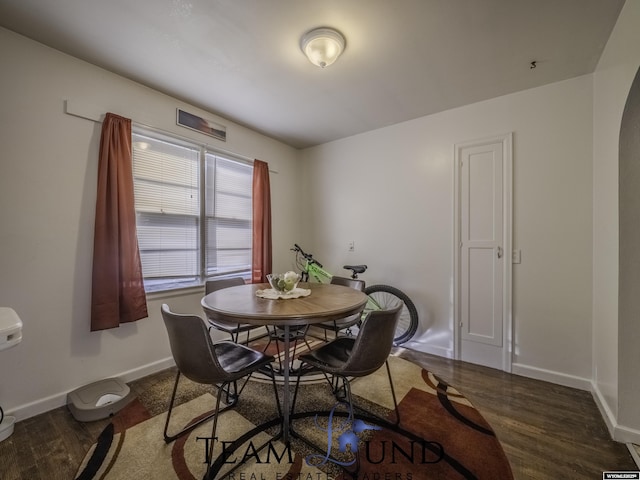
(381,297)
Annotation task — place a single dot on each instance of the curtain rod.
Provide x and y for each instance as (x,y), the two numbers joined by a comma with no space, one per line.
(87,113)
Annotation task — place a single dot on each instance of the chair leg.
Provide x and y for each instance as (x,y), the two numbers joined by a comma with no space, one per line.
(275,388)
(306,343)
(269,342)
(304,339)
(215,426)
(334,385)
(344,394)
(302,372)
(210,327)
(235,337)
(331,382)
(170,438)
(230,397)
(346,388)
(246,380)
(295,391)
(295,345)
(393,393)
(349,398)
(293,355)
(275,338)
(349,401)
(339,393)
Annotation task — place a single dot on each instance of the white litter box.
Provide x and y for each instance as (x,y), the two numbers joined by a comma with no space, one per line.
(99,400)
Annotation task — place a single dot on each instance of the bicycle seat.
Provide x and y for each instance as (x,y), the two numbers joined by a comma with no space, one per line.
(356,268)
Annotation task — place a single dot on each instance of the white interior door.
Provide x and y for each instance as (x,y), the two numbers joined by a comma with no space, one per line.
(483,257)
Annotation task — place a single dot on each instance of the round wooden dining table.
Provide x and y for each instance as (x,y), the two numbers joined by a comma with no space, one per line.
(325,303)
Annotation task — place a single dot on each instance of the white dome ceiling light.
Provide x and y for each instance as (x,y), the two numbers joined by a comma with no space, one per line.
(322,46)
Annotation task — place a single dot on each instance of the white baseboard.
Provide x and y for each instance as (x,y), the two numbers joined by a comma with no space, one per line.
(43,405)
(634,454)
(551,376)
(624,434)
(607,415)
(426,348)
(618,432)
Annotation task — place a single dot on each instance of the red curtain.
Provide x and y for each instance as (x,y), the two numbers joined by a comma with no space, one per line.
(261,222)
(117,294)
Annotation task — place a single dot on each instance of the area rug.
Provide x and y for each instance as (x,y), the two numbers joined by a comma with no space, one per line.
(440,436)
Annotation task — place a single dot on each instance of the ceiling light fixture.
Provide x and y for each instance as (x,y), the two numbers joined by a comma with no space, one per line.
(322,46)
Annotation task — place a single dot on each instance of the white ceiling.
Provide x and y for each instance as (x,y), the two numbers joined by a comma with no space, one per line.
(404,58)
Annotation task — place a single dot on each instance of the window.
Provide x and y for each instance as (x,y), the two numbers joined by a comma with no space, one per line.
(193,211)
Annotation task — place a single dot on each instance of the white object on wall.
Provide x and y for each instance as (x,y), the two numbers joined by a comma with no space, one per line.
(10,328)
(10,335)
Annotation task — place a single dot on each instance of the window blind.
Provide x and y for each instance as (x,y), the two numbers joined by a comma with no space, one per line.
(193,210)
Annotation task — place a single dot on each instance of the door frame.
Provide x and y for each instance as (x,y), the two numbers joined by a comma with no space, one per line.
(507,242)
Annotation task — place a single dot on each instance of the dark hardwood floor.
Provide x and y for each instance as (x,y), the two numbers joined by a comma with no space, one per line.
(547,431)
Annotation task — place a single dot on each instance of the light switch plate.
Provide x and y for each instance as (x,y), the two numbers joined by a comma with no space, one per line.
(516,256)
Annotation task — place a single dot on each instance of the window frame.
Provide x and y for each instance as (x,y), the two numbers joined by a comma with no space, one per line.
(169,284)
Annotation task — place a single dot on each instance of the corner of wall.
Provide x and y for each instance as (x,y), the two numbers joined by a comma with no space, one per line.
(619,433)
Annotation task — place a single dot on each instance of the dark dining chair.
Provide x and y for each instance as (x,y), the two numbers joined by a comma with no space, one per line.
(201,360)
(348,357)
(346,323)
(232,328)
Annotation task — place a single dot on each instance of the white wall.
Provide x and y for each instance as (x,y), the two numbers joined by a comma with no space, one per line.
(48,166)
(613,346)
(391,190)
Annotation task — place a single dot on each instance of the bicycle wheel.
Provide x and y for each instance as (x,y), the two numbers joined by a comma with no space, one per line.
(387,297)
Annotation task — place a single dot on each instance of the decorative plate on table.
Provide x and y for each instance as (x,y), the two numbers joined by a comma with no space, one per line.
(274,294)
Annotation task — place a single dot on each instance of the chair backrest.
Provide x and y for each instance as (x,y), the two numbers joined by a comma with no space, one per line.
(373,343)
(349,282)
(213,285)
(192,348)
(219,284)
(352,283)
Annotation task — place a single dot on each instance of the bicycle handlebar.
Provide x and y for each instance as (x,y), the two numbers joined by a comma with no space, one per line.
(307,256)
